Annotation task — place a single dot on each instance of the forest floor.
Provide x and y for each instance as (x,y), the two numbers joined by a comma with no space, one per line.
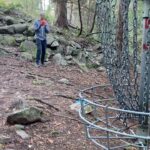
(63,129)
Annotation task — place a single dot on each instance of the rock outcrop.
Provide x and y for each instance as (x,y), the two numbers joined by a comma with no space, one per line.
(17,30)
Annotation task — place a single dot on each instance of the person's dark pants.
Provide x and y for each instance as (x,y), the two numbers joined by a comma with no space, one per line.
(41,51)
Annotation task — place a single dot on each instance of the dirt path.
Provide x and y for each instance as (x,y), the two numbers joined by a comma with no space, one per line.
(59,133)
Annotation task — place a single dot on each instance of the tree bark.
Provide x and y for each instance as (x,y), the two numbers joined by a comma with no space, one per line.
(120,29)
(94,18)
(80,16)
(62,20)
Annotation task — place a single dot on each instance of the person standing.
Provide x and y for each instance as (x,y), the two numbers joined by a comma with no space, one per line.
(41,29)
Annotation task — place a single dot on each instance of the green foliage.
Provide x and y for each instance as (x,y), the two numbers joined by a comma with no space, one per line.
(7,5)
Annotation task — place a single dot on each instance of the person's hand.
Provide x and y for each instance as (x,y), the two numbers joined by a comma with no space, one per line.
(43,22)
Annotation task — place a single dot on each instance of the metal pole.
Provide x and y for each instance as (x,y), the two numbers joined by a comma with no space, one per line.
(145,69)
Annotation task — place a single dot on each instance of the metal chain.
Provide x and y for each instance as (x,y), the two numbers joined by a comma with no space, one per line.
(119,70)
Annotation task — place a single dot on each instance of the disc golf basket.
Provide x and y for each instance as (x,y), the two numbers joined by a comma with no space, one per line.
(120,110)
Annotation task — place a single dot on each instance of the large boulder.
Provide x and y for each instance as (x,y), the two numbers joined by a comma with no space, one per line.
(25,116)
(7,30)
(10,20)
(30,47)
(59,60)
(27,46)
(20,28)
(7,40)
(51,42)
(30,31)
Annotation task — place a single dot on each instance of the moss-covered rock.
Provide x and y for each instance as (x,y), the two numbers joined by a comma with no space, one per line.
(27,46)
(7,40)
(25,116)
(20,38)
(27,56)
(30,48)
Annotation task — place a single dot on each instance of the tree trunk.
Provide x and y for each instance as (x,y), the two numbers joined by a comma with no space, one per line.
(71,11)
(62,21)
(94,18)
(80,16)
(120,29)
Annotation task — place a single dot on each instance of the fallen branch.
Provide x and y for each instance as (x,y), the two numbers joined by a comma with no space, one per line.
(65,96)
(40,101)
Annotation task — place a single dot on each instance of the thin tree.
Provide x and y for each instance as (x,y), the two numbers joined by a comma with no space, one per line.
(80,17)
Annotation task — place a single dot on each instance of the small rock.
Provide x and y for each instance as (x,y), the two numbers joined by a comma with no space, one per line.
(101,69)
(69,50)
(76,45)
(25,116)
(23,134)
(19,127)
(54,44)
(20,39)
(5,139)
(64,81)
(68,57)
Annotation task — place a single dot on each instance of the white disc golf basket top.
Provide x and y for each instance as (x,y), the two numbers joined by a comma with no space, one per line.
(120,111)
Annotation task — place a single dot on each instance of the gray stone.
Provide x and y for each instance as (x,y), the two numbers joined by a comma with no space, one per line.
(23,134)
(30,31)
(69,50)
(7,30)
(20,39)
(76,45)
(8,40)
(52,42)
(25,116)
(20,28)
(60,50)
(30,38)
(68,57)
(62,40)
(30,47)
(59,60)
(5,139)
(21,21)
(10,20)
(101,69)
(64,81)
(19,127)
(75,52)
(27,56)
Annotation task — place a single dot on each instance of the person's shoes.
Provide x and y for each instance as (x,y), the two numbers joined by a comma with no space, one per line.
(37,65)
(43,65)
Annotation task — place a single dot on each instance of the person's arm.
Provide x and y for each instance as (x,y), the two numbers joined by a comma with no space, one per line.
(47,28)
(37,26)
